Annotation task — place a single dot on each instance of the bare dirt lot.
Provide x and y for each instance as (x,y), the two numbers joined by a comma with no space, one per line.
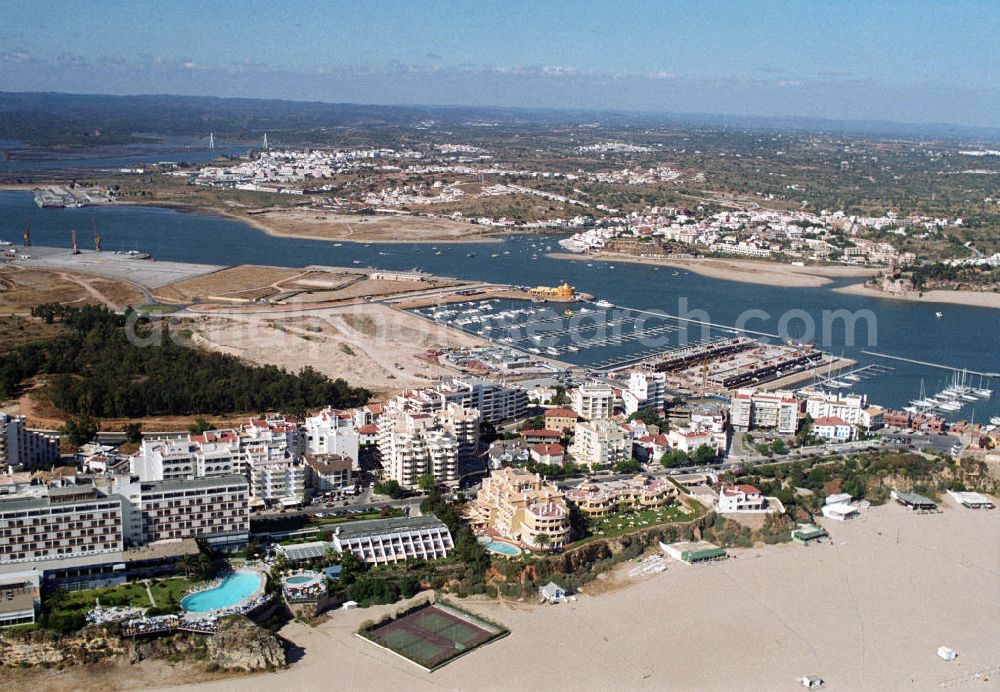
(368,345)
(321,225)
(22,288)
(243,282)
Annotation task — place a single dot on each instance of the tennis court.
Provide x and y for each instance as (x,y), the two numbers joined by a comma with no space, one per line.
(434,634)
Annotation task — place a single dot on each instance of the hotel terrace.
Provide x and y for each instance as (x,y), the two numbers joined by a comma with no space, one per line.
(519,506)
(641,492)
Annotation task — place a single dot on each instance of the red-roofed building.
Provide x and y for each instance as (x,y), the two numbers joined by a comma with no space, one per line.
(560,419)
(536,436)
(833,428)
(547,453)
(742,498)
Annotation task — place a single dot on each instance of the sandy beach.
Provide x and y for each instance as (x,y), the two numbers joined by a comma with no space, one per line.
(746,271)
(866,610)
(979,299)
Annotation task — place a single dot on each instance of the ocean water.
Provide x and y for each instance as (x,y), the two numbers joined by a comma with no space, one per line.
(964,337)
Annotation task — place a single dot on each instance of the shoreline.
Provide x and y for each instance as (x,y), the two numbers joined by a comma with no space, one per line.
(743,271)
(857,580)
(334,237)
(976,299)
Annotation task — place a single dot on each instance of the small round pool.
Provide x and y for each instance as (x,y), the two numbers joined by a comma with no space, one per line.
(235,588)
(500,547)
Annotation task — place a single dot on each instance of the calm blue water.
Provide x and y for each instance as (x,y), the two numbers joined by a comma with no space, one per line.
(965,337)
(236,587)
(125,158)
(300,579)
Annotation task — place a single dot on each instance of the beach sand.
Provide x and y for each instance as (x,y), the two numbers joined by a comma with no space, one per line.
(746,271)
(866,610)
(980,299)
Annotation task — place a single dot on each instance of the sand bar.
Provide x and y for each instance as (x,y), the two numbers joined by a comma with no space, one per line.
(979,299)
(746,271)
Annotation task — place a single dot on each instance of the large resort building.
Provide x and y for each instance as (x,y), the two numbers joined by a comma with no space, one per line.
(596,501)
(415,444)
(521,507)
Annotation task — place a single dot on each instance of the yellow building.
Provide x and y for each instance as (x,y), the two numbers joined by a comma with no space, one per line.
(596,501)
(520,506)
(563,292)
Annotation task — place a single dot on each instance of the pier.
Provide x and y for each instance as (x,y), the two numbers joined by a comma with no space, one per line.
(940,366)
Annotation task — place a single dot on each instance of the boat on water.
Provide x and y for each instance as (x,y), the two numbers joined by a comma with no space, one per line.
(995,420)
(939,315)
(852,377)
(470,254)
(983,392)
(551,351)
(603,304)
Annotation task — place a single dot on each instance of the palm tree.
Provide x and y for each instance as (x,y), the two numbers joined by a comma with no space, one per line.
(542,540)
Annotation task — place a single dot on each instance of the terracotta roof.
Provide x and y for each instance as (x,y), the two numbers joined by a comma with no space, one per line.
(829,420)
(548,449)
(560,413)
(369,429)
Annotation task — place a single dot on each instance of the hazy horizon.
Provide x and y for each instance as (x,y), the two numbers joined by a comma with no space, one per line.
(911,62)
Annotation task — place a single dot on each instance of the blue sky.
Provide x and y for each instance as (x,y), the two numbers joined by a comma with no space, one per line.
(906,61)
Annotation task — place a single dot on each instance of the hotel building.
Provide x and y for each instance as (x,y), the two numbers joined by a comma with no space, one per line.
(601,443)
(413,444)
(520,506)
(752,410)
(597,500)
(20,447)
(594,400)
(385,541)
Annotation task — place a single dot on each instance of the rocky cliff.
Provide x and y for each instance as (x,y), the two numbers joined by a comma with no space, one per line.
(241,645)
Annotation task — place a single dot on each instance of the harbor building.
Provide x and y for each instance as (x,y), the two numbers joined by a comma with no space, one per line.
(521,507)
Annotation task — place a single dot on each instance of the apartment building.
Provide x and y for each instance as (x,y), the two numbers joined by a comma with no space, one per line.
(278,479)
(329,472)
(833,429)
(777,411)
(593,401)
(644,390)
(413,444)
(21,447)
(63,523)
(521,507)
(214,509)
(600,443)
(333,432)
(561,419)
(850,408)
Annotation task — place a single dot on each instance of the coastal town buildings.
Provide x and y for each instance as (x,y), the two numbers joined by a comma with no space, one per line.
(751,409)
(597,500)
(415,444)
(644,390)
(333,432)
(600,443)
(593,400)
(833,429)
(742,498)
(521,507)
(561,419)
(329,472)
(386,541)
(24,448)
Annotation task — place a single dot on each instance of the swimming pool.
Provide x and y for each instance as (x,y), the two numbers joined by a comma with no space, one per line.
(300,579)
(500,547)
(235,588)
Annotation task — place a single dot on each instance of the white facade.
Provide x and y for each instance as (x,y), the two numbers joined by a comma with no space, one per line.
(601,443)
(849,408)
(751,409)
(593,401)
(385,541)
(332,432)
(742,498)
(277,478)
(414,444)
(644,390)
(22,447)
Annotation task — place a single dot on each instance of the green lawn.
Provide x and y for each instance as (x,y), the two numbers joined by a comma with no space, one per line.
(618,523)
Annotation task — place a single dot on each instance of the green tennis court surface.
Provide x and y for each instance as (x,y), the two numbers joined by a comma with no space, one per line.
(434,634)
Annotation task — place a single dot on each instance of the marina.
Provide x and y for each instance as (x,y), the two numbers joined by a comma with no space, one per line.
(174,239)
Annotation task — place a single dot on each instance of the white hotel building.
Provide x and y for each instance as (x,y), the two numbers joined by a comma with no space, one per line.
(594,400)
(413,444)
(385,541)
